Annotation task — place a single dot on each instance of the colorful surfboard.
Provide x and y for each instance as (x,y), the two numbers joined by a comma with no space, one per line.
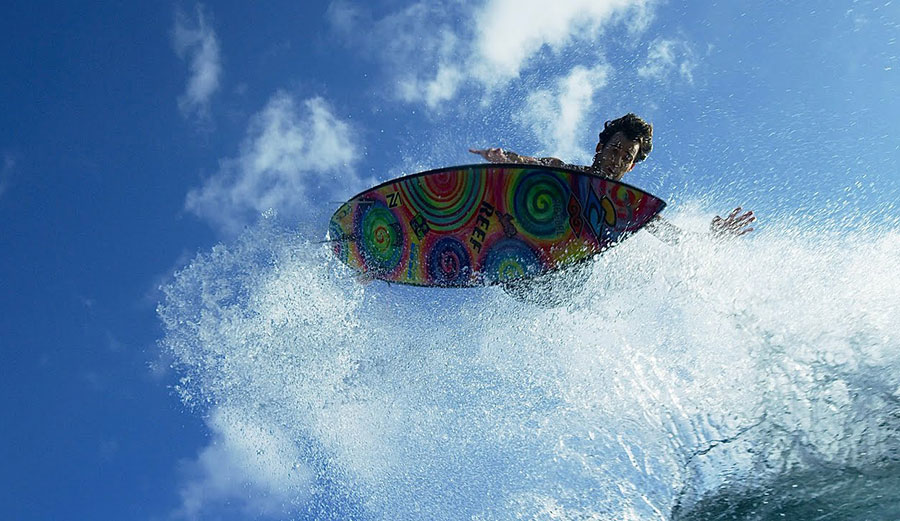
(484,224)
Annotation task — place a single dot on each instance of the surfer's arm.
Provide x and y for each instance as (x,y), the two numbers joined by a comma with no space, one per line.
(664,230)
(498,155)
(719,228)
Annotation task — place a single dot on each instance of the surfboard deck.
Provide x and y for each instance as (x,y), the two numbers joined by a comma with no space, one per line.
(482,224)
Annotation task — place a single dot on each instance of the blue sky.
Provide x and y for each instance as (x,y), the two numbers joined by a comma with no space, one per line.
(134,136)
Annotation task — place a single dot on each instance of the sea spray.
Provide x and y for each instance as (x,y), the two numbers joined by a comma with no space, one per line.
(679,383)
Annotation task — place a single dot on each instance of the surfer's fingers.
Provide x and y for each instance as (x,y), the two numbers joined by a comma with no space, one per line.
(746,218)
(737,229)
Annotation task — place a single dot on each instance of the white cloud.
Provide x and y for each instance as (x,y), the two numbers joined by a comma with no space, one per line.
(248,462)
(195,42)
(418,45)
(512,31)
(433,92)
(667,57)
(433,48)
(291,153)
(556,115)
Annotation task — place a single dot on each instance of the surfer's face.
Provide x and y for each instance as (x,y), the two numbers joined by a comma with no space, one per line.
(616,157)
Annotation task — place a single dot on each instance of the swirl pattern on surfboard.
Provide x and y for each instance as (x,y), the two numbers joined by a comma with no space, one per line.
(380,237)
(449,262)
(509,260)
(626,199)
(539,205)
(446,200)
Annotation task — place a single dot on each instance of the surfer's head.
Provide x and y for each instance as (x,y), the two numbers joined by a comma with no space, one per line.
(623,143)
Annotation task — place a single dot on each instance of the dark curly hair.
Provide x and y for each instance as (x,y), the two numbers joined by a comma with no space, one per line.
(635,129)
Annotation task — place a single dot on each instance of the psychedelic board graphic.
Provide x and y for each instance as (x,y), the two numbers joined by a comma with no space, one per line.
(485,224)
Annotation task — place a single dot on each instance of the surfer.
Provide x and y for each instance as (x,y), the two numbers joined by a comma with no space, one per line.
(623,143)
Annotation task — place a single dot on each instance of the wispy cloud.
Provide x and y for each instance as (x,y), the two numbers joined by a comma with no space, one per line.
(419,45)
(510,32)
(433,49)
(556,115)
(343,16)
(667,58)
(248,463)
(433,91)
(195,42)
(292,151)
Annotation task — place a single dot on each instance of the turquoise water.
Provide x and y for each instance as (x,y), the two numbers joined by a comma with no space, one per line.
(756,379)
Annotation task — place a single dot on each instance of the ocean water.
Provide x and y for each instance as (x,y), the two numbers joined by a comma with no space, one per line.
(753,379)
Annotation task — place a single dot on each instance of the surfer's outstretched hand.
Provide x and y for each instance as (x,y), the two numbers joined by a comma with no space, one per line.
(494,155)
(733,225)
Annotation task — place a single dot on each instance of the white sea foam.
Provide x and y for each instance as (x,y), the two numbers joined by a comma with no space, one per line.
(678,373)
